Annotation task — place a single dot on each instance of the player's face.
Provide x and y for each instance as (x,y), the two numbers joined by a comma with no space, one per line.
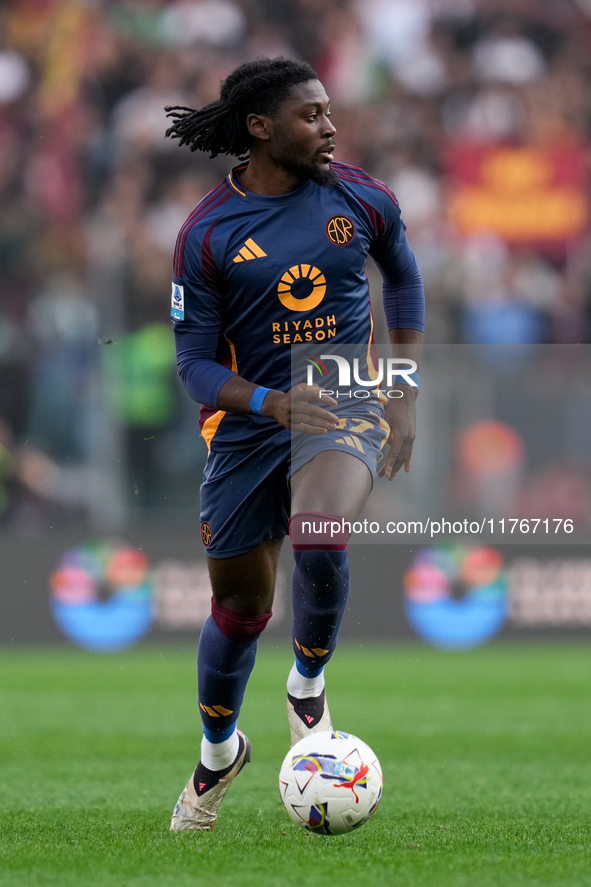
(302,137)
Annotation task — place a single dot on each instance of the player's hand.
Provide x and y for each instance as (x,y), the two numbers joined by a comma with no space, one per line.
(401,417)
(299,409)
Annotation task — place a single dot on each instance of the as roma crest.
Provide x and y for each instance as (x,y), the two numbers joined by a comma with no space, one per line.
(206,534)
(340,230)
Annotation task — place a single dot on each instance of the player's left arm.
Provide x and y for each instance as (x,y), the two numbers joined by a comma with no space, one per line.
(404,306)
(400,411)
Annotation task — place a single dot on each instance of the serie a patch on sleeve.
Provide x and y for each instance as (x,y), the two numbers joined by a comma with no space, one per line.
(177,311)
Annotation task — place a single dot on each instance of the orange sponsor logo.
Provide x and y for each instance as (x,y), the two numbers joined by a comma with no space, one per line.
(302,288)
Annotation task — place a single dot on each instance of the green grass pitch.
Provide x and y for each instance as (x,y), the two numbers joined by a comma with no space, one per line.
(486,757)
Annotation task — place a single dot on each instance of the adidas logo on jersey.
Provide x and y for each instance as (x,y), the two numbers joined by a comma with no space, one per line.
(250,250)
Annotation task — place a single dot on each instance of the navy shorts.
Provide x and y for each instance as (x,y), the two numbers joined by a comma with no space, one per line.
(245,495)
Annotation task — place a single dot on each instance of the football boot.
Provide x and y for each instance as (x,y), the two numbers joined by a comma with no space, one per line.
(199,803)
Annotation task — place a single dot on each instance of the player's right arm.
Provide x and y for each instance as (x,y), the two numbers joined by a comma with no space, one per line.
(214,385)
(297,409)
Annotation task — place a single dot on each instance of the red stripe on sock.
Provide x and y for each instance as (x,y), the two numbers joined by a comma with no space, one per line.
(237,626)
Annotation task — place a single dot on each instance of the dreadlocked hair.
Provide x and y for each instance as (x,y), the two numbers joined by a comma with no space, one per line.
(257,87)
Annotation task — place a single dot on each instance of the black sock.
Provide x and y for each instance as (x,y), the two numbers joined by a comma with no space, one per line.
(204,778)
(309,710)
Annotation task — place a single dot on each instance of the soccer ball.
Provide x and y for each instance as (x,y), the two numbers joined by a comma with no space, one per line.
(330,782)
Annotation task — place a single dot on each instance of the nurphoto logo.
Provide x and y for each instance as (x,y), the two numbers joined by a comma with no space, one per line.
(349,382)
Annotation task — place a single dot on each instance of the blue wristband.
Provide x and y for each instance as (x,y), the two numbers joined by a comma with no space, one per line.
(256,401)
(404,380)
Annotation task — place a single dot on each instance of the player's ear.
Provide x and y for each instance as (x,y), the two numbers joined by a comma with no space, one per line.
(258,127)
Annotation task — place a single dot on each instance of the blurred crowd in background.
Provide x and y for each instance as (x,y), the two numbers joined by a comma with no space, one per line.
(476,112)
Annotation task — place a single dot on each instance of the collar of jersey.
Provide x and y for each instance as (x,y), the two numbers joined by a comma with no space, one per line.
(266,199)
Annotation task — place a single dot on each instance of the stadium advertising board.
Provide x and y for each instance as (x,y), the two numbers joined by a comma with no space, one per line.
(486,537)
(106,596)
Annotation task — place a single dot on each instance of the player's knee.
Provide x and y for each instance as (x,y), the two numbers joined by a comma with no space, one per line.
(238,626)
(309,530)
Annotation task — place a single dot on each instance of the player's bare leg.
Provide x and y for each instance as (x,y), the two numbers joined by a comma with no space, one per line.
(332,486)
(334,481)
(246,584)
(243,588)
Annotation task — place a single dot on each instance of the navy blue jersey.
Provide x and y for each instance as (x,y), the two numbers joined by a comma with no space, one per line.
(255,275)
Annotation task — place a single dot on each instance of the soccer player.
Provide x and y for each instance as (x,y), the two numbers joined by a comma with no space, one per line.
(273,258)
